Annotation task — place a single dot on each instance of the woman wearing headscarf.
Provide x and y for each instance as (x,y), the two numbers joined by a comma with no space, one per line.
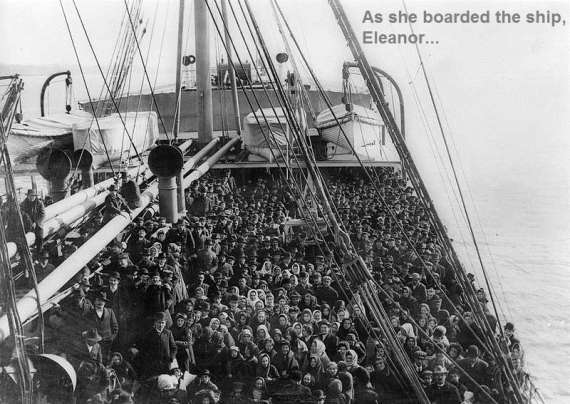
(183,338)
(252,297)
(265,368)
(268,348)
(258,393)
(244,337)
(326,311)
(314,366)
(228,339)
(260,318)
(261,334)
(318,349)
(285,360)
(240,325)
(359,374)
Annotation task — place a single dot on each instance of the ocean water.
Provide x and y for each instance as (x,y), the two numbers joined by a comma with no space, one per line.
(518,196)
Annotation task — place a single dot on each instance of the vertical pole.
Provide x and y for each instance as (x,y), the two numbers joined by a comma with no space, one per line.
(179,177)
(179,68)
(167,198)
(231,70)
(203,83)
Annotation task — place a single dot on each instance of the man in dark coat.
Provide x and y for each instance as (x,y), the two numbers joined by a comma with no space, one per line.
(35,211)
(441,391)
(157,348)
(182,237)
(326,293)
(418,288)
(114,204)
(119,302)
(330,341)
(96,315)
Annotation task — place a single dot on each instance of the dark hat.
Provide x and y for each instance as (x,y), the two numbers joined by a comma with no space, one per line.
(509,326)
(123,256)
(162,256)
(44,254)
(319,395)
(472,351)
(159,316)
(324,322)
(181,315)
(32,192)
(115,275)
(101,295)
(91,335)
(112,187)
(204,372)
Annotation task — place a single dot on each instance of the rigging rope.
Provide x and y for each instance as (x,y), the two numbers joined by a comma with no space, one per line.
(85,83)
(467,216)
(379,194)
(146,75)
(105,80)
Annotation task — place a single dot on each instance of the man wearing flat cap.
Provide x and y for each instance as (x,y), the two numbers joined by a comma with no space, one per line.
(33,208)
(157,347)
(114,204)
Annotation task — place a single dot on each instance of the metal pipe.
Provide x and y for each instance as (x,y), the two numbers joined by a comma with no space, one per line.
(69,216)
(166,162)
(231,71)
(61,211)
(192,161)
(85,194)
(396,87)
(168,198)
(186,145)
(203,168)
(27,306)
(203,83)
(45,86)
(179,180)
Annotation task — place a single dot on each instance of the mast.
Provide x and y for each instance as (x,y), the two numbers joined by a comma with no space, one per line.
(178,69)
(179,179)
(203,82)
(231,71)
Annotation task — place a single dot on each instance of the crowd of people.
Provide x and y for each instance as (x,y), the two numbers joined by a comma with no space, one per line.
(238,303)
